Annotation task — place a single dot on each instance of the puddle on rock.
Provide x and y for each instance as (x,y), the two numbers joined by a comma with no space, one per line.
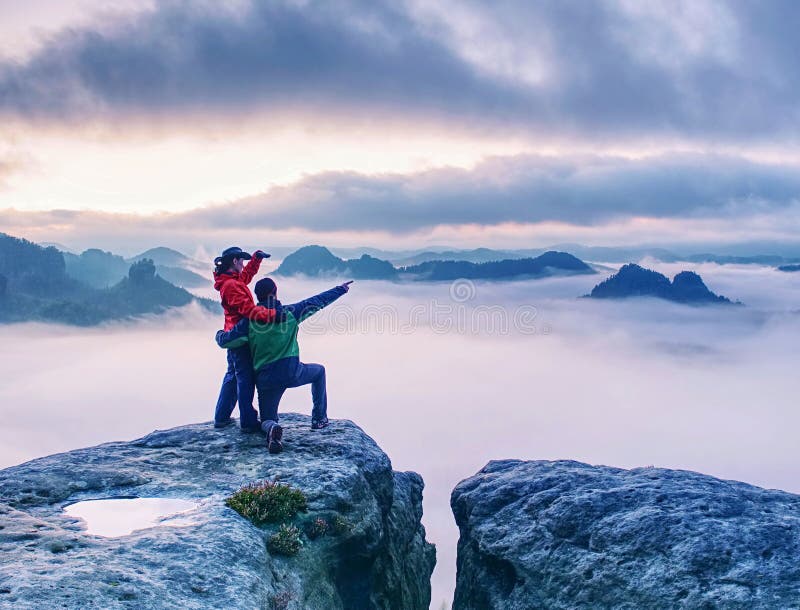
(115,517)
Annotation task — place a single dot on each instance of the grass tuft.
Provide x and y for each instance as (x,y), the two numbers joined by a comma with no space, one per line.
(316,528)
(341,525)
(286,541)
(267,502)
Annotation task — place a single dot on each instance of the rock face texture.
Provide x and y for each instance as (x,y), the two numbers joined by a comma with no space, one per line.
(378,558)
(569,535)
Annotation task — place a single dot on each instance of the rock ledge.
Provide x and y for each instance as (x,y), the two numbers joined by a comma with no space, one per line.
(381,561)
(566,535)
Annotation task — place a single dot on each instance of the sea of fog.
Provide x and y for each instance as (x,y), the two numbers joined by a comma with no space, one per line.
(448,376)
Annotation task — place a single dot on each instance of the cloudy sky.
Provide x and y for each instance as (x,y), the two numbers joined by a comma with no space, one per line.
(403,123)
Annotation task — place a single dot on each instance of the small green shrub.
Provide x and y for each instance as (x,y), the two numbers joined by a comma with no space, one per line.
(286,541)
(316,528)
(341,525)
(267,502)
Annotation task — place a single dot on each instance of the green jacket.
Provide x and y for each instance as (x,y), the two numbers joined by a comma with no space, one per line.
(274,341)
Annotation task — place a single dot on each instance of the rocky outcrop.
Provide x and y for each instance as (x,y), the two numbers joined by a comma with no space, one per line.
(378,558)
(634,281)
(569,535)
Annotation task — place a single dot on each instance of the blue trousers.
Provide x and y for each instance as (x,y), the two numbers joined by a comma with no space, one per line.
(275,378)
(238,384)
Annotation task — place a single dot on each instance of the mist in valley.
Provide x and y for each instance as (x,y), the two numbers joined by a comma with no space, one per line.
(446,377)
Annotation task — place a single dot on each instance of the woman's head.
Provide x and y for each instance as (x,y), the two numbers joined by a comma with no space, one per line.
(232,259)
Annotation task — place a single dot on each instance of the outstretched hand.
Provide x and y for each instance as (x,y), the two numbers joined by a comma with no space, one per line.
(346,285)
(261,254)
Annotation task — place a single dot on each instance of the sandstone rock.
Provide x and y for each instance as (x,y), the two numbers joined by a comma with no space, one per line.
(380,560)
(569,535)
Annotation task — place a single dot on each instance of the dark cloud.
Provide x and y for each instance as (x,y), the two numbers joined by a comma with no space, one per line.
(724,70)
(580,192)
(191,56)
(524,189)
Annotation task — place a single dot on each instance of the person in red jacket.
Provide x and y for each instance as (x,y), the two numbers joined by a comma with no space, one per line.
(231,277)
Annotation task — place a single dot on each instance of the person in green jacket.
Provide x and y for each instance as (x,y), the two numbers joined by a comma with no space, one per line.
(276,356)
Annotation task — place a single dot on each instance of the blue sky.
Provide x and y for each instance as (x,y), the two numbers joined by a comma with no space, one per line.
(405,123)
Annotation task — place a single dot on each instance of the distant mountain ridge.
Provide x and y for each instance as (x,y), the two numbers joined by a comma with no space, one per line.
(634,281)
(783,255)
(35,285)
(549,263)
(316,261)
(601,254)
(103,269)
(162,255)
(476,255)
(758,259)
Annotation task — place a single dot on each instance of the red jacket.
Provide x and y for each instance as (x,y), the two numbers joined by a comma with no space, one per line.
(237,300)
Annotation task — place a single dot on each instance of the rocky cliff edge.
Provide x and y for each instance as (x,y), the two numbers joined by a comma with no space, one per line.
(377,557)
(569,535)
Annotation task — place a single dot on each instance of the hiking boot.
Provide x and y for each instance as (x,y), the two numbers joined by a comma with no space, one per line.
(224,423)
(274,443)
(320,424)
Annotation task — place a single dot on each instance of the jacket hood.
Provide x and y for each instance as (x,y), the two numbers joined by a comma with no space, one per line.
(221,278)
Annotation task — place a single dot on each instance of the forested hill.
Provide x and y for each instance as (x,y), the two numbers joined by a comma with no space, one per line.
(102,269)
(316,261)
(34,286)
(634,281)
